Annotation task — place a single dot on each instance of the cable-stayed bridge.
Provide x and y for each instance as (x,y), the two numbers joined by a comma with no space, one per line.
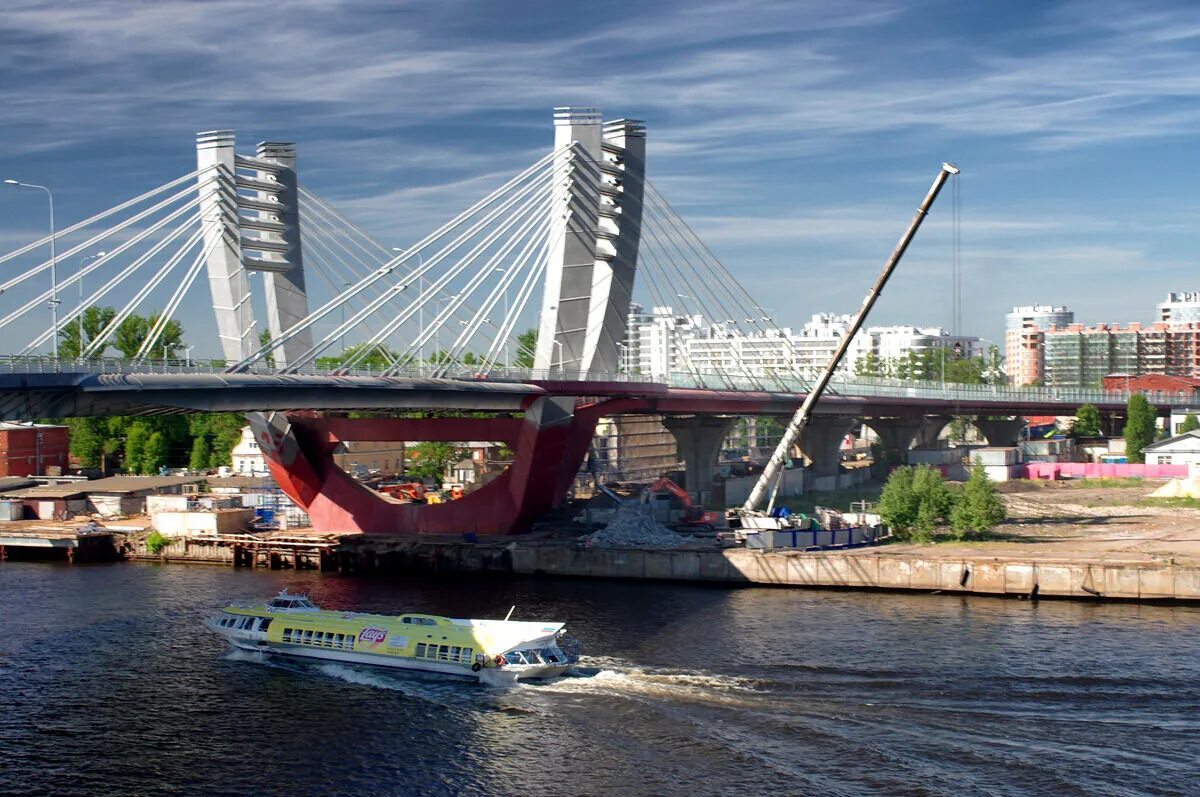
(313,318)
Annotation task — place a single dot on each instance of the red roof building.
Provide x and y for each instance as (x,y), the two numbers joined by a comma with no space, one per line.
(1153,383)
(28,449)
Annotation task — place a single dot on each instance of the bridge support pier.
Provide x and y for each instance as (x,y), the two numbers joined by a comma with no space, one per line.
(821,442)
(699,438)
(896,436)
(1002,432)
(549,444)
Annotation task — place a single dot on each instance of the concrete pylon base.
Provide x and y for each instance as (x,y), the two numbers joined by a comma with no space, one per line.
(821,442)
(1001,432)
(699,439)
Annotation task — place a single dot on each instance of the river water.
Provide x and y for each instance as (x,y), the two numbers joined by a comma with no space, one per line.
(109,685)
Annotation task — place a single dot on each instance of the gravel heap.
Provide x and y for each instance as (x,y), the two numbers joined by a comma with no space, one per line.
(634,527)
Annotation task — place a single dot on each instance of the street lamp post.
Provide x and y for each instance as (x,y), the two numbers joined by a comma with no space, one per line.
(343,324)
(559,344)
(499,270)
(53,262)
(420,289)
(82,265)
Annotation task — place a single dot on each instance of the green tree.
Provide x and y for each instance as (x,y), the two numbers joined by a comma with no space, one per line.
(154,455)
(430,459)
(914,501)
(264,337)
(978,508)
(95,319)
(135,446)
(526,346)
(868,365)
(200,454)
(1087,421)
(378,357)
(1139,427)
(88,438)
(1190,424)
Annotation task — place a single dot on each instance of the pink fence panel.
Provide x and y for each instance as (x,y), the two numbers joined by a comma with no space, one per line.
(1102,470)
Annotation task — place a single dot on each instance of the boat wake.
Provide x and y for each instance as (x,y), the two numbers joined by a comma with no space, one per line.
(607,676)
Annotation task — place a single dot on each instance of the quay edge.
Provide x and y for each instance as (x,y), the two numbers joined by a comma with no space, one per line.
(1076,576)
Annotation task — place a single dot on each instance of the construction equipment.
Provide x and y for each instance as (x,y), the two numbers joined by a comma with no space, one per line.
(672,506)
(410,491)
(769,478)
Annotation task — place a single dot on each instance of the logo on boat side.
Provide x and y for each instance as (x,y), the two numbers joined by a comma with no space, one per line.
(372,636)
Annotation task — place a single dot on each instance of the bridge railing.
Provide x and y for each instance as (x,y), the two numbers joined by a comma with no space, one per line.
(856,386)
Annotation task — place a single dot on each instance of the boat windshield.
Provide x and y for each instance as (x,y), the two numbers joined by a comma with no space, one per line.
(291,602)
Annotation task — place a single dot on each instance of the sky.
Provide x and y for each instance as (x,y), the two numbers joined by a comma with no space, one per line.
(795,137)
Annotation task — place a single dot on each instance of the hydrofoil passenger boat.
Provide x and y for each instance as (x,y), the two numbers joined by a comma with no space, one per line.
(494,652)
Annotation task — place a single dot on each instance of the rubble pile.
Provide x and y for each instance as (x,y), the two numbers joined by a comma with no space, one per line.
(1179,488)
(634,527)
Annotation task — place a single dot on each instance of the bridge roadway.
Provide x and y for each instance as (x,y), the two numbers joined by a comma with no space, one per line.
(44,393)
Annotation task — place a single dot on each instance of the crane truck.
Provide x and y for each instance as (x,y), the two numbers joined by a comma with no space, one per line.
(769,480)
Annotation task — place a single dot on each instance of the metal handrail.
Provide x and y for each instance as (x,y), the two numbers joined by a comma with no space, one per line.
(853,386)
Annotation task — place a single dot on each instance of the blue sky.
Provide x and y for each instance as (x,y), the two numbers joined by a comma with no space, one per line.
(795,137)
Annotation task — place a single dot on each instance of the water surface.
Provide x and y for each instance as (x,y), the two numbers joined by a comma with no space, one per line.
(109,685)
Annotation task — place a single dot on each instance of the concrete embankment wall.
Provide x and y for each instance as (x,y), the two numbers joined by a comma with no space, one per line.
(907,571)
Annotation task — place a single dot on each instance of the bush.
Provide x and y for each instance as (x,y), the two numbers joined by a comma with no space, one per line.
(914,501)
(978,507)
(155,542)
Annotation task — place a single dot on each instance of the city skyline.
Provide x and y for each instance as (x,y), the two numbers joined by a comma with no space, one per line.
(795,139)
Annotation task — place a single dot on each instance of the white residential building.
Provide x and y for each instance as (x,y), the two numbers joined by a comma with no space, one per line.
(1180,308)
(248,459)
(660,342)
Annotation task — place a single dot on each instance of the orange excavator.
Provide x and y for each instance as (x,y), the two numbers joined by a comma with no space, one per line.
(410,491)
(671,505)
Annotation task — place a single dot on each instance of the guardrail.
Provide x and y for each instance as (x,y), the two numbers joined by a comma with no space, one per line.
(866,387)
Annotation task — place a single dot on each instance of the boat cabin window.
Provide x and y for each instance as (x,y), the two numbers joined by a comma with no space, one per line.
(264,623)
(287,635)
(420,652)
(466,655)
(419,621)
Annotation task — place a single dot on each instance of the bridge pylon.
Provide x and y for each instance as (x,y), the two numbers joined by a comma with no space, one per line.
(592,264)
(251,208)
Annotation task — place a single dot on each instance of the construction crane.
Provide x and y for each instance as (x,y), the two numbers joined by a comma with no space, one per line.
(794,429)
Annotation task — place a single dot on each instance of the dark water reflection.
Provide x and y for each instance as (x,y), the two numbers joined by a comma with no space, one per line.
(109,686)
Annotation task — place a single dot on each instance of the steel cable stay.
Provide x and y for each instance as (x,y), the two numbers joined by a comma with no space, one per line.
(327,265)
(319,314)
(176,299)
(58,235)
(651,258)
(520,265)
(101,340)
(706,255)
(88,244)
(92,267)
(681,278)
(721,275)
(526,291)
(314,202)
(526,233)
(695,284)
(117,280)
(437,283)
(323,225)
(529,216)
(440,282)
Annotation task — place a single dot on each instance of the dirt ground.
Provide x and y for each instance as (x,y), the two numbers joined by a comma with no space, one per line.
(1059,521)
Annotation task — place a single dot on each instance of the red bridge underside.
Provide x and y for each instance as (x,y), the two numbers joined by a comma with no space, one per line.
(548,451)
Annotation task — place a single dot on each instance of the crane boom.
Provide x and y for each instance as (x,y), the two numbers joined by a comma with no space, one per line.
(800,419)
